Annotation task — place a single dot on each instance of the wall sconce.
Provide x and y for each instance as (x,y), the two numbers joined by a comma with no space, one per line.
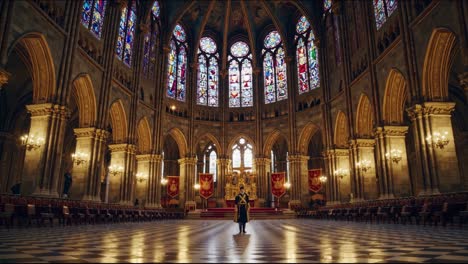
(196,186)
(164,181)
(323,179)
(394,155)
(439,140)
(140,177)
(115,169)
(341,173)
(80,158)
(363,165)
(287,185)
(32,142)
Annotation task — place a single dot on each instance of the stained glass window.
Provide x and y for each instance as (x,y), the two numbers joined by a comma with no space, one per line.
(327,4)
(306,57)
(150,43)
(274,69)
(92,16)
(242,155)
(240,75)
(382,10)
(207,88)
(177,65)
(125,41)
(212,164)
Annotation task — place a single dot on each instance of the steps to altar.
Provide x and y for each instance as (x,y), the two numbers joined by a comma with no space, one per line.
(228,214)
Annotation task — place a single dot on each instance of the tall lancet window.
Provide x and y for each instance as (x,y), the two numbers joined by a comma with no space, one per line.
(92,16)
(124,50)
(242,155)
(151,40)
(327,5)
(208,73)
(382,10)
(274,69)
(177,65)
(240,75)
(210,161)
(307,57)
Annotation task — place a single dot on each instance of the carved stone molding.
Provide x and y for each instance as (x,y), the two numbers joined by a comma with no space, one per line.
(363,143)
(395,130)
(298,158)
(148,157)
(341,152)
(4,77)
(223,162)
(48,109)
(262,161)
(86,132)
(122,148)
(187,161)
(438,108)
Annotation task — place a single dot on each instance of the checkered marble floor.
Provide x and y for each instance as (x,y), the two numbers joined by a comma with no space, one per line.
(296,240)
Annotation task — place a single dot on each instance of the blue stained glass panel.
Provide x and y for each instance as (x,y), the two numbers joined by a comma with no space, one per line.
(98,17)
(239,49)
(146,52)
(213,83)
(179,33)
(181,73)
(234,84)
(327,4)
(391,6)
(171,72)
(247,90)
(130,36)
(155,9)
(303,75)
(122,33)
(313,63)
(281,82)
(303,25)
(379,12)
(208,45)
(269,78)
(86,13)
(272,39)
(202,88)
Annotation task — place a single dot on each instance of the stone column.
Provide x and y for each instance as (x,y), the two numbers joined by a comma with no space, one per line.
(365,179)
(304,183)
(153,193)
(10,156)
(343,184)
(42,165)
(4,77)
(330,185)
(144,168)
(85,179)
(435,118)
(262,168)
(395,179)
(463,82)
(187,182)
(295,180)
(121,184)
(222,170)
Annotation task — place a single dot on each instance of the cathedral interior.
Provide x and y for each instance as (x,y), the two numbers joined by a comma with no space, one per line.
(132,123)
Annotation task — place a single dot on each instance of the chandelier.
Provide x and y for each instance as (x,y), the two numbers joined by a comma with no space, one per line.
(163,181)
(140,177)
(439,140)
(196,186)
(394,155)
(364,165)
(80,158)
(32,142)
(287,185)
(115,169)
(341,173)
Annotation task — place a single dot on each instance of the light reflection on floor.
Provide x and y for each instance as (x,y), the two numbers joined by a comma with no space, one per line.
(216,241)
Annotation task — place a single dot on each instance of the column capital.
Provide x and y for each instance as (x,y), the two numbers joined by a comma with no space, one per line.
(86,132)
(362,143)
(262,161)
(223,161)
(148,157)
(438,108)
(47,109)
(129,148)
(395,130)
(298,158)
(188,161)
(4,77)
(257,71)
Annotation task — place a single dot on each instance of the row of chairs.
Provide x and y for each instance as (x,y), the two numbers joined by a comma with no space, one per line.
(433,210)
(24,211)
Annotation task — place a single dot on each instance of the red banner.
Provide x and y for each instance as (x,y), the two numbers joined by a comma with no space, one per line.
(173,186)
(314,180)
(277,184)
(206,185)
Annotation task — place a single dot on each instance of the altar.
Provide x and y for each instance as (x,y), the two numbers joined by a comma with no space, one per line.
(237,179)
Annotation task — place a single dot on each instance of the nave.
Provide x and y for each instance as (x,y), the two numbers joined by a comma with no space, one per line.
(215,241)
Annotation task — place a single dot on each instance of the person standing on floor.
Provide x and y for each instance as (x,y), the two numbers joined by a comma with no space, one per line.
(242,209)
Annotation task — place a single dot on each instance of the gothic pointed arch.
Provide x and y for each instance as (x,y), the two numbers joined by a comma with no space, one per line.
(270,141)
(118,120)
(341,130)
(364,117)
(35,53)
(144,136)
(211,138)
(180,139)
(437,63)
(234,141)
(394,98)
(304,138)
(83,92)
